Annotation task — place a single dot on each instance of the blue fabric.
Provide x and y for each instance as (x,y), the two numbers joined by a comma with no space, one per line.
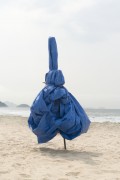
(55,109)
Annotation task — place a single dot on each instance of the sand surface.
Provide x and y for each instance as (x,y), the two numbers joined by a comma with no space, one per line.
(92,156)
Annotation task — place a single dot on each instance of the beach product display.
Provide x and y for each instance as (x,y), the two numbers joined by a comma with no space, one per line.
(55,110)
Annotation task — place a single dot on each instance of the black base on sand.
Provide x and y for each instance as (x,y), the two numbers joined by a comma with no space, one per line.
(64,144)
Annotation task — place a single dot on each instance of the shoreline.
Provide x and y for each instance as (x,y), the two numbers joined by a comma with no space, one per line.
(20,116)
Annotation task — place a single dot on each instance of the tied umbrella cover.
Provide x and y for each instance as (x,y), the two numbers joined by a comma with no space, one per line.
(55,110)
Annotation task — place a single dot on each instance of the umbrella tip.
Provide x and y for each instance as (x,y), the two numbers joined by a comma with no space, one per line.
(51,38)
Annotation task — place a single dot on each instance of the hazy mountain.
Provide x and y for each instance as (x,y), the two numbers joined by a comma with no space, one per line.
(23,106)
(3,104)
(10,104)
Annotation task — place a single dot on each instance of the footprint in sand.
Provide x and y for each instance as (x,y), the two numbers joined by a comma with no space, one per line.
(73,173)
(3,172)
(111,171)
(5,154)
(70,166)
(24,175)
(17,165)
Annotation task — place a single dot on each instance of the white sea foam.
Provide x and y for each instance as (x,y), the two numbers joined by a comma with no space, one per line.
(24,112)
(105,119)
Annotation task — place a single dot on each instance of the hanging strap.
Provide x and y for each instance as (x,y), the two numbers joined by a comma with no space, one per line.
(53,54)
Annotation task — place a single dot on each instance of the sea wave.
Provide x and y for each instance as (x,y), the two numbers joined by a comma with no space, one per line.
(95,115)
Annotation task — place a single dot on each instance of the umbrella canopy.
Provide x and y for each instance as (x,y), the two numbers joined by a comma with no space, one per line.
(55,109)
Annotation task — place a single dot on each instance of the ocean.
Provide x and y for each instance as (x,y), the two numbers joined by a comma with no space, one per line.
(95,115)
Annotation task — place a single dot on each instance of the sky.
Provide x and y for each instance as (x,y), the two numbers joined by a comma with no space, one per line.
(88,39)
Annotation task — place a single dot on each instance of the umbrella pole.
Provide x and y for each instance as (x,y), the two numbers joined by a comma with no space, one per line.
(64,143)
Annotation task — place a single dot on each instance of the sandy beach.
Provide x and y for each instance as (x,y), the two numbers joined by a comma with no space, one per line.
(92,156)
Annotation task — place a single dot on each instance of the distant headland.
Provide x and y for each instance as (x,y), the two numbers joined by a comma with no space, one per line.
(3,104)
(23,106)
(10,104)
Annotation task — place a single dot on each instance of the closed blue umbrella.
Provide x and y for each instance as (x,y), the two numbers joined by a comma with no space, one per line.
(55,110)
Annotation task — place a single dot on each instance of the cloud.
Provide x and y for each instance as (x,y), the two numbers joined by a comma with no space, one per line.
(86,31)
(4,91)
(88,21)
(96,23)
